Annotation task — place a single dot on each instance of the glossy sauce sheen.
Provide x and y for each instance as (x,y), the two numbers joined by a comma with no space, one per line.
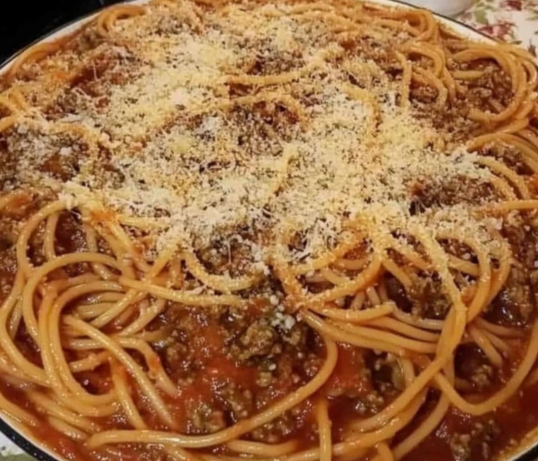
(354,386)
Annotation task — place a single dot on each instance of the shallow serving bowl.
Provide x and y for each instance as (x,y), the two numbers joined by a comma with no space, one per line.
(527,450)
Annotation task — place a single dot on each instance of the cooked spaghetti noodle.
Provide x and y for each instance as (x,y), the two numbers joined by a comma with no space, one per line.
(297,230)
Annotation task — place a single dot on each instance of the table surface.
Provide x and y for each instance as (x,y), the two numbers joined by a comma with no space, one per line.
(514,21)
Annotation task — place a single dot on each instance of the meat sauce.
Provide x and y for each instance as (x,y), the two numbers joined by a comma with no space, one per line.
(202,406)
(227,370)
(231,364)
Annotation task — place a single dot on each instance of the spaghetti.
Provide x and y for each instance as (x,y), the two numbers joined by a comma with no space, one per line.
(296,230)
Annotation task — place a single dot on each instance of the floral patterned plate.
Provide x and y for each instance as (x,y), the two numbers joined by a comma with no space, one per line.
(514,21)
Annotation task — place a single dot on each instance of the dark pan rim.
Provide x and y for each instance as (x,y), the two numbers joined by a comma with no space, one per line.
(25,442)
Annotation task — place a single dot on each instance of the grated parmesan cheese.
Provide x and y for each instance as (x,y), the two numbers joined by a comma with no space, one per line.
(177,142)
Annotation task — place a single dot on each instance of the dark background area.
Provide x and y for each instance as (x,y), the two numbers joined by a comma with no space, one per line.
(24,21)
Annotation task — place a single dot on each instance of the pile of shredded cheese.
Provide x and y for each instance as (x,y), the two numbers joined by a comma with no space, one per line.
(180,126)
